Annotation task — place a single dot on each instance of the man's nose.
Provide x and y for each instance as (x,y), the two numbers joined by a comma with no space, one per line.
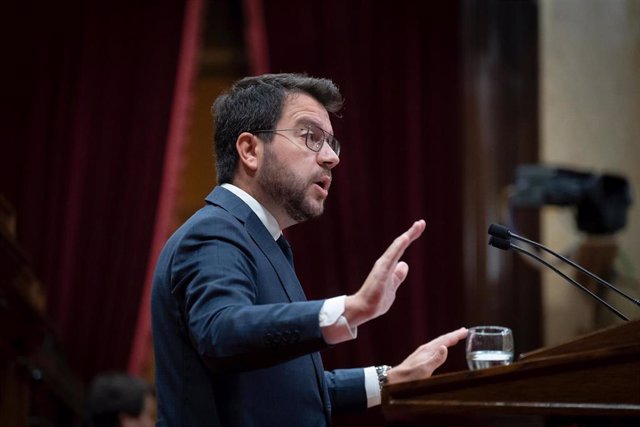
(327,157)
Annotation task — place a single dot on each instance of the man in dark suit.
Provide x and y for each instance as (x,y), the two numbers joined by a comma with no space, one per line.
(236,341)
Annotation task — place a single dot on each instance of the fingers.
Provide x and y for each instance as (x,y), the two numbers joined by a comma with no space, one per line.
(400,273)
(427,358)
(451,338)
(437,359)
(434,361)
(401,243)
(416,230)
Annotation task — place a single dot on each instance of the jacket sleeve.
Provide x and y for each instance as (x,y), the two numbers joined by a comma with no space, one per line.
(347,390)
(234,308)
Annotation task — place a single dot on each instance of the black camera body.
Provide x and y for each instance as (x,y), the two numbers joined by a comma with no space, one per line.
(602,200)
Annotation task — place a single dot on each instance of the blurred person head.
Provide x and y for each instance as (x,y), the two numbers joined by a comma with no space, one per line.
(120,400)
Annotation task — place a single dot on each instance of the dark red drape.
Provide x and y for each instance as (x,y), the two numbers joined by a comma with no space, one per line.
(91,87)
(398,66)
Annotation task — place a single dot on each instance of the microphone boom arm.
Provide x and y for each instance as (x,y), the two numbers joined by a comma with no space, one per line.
(573,264)
(569,279)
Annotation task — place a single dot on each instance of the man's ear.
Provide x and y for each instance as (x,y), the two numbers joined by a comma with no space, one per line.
(249,149)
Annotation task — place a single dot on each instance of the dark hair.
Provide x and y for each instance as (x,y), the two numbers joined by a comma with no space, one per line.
(256,103)
(113,394)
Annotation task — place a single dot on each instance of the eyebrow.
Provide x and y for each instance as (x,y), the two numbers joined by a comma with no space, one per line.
(308,121)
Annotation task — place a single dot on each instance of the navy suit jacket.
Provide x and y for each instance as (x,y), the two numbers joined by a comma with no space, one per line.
(236,342)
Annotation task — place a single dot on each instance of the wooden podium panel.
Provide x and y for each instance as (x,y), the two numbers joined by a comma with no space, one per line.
(595,375)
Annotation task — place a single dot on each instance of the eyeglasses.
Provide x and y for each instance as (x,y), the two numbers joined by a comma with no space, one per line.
(313,137)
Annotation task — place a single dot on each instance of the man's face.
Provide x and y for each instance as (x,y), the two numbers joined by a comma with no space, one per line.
(296,178)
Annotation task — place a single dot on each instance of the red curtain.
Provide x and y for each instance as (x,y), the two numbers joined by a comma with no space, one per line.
(398,66)
(91,90)
(142,347)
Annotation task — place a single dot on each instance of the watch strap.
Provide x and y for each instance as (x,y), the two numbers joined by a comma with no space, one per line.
(382,371)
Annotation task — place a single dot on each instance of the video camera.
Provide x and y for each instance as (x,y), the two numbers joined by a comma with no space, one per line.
(601,200)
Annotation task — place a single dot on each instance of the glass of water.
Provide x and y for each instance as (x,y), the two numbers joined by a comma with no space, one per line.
(488,346)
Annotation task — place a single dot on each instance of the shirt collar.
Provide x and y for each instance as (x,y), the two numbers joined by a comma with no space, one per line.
(263,214)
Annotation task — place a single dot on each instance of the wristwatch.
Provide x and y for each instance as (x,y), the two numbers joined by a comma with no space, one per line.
(382,371)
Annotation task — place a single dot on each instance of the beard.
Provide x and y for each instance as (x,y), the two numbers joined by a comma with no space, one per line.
(287,189)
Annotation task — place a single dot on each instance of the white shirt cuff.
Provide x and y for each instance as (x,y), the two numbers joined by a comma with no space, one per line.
(333,325)
(372,386)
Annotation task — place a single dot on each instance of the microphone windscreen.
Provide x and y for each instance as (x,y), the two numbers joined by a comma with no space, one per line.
(499,231)
(499,243)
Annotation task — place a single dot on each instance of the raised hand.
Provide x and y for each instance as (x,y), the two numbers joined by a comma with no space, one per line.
(378,292)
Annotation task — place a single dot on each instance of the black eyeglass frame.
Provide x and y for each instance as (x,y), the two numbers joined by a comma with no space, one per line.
(314,146)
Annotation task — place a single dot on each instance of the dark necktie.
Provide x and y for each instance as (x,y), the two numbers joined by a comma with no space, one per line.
(286,249)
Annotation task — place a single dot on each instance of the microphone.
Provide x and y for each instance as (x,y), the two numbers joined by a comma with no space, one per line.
(505,244)
(499,231)
(502,232)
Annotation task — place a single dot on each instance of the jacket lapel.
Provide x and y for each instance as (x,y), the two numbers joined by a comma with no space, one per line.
(262,238)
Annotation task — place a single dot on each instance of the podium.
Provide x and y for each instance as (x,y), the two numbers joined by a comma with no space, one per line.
(597,375)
